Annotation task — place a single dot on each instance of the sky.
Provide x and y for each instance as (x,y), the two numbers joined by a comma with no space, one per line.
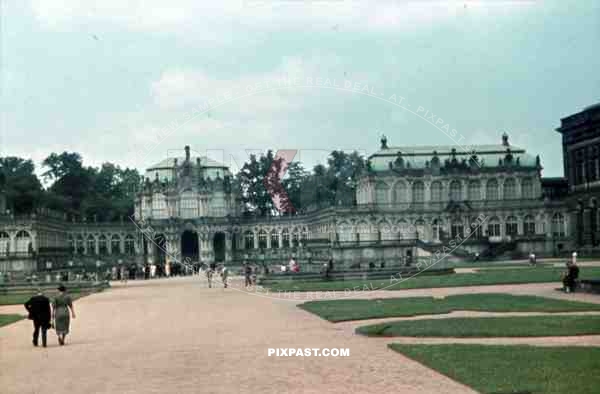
(127,81)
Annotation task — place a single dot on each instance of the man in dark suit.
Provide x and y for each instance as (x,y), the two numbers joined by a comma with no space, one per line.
(40,312)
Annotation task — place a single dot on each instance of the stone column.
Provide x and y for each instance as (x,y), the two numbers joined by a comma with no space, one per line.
(228,247)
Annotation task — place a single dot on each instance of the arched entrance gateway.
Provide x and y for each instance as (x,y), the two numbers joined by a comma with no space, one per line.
(189,246)
(219,246)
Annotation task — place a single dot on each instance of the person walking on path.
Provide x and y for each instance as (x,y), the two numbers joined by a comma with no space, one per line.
(224,275)
(210,272)
(62,305)
(247,274)
(40,313)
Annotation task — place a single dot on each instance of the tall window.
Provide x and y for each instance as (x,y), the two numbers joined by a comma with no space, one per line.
(129,245)
(274,239)
(528,225)
(91,245)
(476,228)
(493,227)
(436,191)
(262,239)
(474,191)
(510,189)
(527,188)
(188,205)
(382,193)
(159,206)
(23,241)
(418,192)
(285,238)
(79,245)
(249,240)
(102,245)
(4,243)
(304,235)
(400,192)
(457,228)
(491,190)
(70,241)
(295,238)
(511,226)
(455,191)
(115,244)
(558,225)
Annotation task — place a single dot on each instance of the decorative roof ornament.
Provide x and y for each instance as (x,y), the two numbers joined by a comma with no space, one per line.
(505,139)
(187,153)
(384,142)
(399,162)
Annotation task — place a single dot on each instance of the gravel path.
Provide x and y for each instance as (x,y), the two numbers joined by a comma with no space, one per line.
(177,336)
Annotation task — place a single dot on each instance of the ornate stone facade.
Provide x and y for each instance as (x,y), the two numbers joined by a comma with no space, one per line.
(413,201)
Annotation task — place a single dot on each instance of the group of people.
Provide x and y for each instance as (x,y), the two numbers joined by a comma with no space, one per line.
(219,269)
(47,314)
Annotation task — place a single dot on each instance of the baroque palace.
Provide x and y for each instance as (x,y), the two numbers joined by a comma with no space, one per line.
(413,201)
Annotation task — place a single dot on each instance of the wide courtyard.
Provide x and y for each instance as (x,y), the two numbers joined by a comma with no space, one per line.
(179,336)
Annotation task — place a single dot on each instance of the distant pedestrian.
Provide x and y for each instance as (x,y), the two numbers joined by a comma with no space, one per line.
(210,272)
(62,305)
(224,275)
(574,258)
(40,313)
(248,274)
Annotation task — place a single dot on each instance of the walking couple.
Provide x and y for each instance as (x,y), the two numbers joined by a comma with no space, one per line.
(44,316)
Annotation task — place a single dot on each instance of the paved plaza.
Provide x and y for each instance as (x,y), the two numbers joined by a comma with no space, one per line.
(178,336)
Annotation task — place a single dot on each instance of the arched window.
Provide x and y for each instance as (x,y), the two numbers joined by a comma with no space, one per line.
(436,191)
(437,227)
(304,236)
(493,227)
(285,238)
(295,238)
(491,190)
(382,193)
(23,241)
(4,243)
(91,245)
(79,244)
(558,225)
(474,191)
(159,206)
(527,188)
(115,244)
(129,245)
(188,205)
(70,242)
(400,192)
(457,229)
(529,225)
(476,228)
(455,191)
(274,239)
(345,232)
(102,245)
(249,240)
(262,239)
(510,189)
(512,227)
(418,191)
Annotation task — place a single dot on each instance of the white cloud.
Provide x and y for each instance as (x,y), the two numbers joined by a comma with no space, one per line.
(273,15)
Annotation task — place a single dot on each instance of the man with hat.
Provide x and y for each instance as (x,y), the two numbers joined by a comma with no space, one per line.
(39,310)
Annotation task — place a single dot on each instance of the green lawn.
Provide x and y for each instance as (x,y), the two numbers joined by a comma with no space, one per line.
(484,277)
(8,319)
(16,299)
(513,369)
(512,326)
(351,309)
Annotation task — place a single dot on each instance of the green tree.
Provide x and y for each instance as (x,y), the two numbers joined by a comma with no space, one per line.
(21,186)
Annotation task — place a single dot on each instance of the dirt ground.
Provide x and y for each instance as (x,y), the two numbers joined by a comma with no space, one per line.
(177,336)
